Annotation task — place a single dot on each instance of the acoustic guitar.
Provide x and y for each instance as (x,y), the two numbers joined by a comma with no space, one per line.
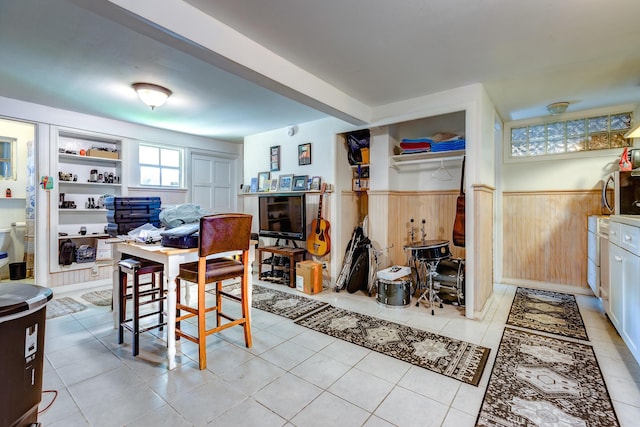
(318,242)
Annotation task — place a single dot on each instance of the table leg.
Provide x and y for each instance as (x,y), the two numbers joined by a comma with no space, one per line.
(171,319)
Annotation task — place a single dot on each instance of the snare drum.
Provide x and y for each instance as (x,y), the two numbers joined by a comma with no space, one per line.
(394,293)
(429,250)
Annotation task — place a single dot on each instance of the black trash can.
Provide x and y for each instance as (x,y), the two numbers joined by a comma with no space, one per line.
(17,270)
(22,322)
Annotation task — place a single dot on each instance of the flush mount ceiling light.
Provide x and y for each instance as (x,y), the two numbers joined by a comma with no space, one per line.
(557,108)
(152,95)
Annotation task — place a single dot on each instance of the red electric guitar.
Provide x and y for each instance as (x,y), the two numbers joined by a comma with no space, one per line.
(318,242)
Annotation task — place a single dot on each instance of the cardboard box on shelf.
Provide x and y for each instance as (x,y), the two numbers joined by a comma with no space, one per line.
(103,154)
(309,276)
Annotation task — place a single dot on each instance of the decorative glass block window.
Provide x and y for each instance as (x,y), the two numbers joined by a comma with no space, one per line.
(159,166)
(591,133)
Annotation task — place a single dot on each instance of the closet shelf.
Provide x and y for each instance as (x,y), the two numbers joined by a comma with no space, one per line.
(403,160)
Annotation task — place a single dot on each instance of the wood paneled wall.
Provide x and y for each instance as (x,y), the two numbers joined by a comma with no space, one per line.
(545,235)
(390,216)
(483,245)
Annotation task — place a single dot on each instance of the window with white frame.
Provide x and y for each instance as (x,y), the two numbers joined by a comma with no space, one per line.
(160,166)
(598,132)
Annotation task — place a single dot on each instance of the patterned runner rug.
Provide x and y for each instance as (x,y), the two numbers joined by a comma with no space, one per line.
(447,356)
(283,304)
(100,298)
(547,311)
(544,381)
(61,306)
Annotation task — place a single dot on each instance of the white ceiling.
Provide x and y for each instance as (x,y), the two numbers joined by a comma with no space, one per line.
(293,61)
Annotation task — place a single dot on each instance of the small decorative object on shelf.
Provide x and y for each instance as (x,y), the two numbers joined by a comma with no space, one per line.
(300,182)
(285,182)
(7,193)
(263,177)
(315,183)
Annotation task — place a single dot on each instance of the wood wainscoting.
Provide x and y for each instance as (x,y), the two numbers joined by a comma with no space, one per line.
(482,245)
(545,236)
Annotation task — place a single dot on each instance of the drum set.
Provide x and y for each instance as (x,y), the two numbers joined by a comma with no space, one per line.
(434,273)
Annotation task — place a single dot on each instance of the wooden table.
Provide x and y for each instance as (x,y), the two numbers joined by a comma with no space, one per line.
(171,258)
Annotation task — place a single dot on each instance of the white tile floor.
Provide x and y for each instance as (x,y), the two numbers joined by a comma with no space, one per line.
(291,376)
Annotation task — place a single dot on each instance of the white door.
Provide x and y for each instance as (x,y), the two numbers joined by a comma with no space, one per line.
(213,183)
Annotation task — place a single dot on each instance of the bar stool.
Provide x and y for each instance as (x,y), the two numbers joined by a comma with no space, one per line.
(218,234)
(141,293)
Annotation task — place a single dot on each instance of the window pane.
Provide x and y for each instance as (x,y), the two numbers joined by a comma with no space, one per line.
(536,132)
(618,140)
(536,148)
(620,121)
(598,141)
(599,124)
(555,130)
(576,127)
(170,177)
(519,134)
(576,144)
(556,146)
(170,158)
(149,155)
(519,149)
(149,175)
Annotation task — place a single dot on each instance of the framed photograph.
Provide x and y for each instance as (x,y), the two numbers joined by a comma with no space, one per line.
(315,183)
(254,185)
(285,182)
(300,182)
(304,154)
(263,177)
(274,184)
(274,159)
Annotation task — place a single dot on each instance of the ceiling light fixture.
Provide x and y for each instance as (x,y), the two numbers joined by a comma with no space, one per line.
(152,95)
(557,108)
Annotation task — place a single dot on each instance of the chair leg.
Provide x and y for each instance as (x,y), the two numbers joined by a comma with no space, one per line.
(177,309)
(202,327)
(245,309)
(161,302)
(218,303)
(136,314)
(122,308)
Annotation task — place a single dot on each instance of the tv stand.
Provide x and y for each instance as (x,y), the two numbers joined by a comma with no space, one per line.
(282,262)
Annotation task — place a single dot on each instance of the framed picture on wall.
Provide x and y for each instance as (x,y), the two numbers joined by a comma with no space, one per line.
(263,177)
(274,159)
(300,182)
(304,154)
(286,182)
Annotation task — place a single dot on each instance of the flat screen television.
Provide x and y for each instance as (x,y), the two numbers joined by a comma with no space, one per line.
(282,216)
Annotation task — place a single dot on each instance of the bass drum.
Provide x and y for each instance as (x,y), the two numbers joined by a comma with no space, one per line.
(450,279)
(359,278)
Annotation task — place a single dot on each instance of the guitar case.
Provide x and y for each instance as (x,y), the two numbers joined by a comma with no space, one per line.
(358,279)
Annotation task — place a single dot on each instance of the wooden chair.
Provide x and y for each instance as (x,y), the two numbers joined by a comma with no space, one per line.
(218,234)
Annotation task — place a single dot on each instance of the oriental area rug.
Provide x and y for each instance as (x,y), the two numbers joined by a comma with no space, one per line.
(447,356)
(546,311)
(283,304)
(544,381)
(62,306)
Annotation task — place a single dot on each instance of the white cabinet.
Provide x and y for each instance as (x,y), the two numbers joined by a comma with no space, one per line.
(88,168)
(624,256)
